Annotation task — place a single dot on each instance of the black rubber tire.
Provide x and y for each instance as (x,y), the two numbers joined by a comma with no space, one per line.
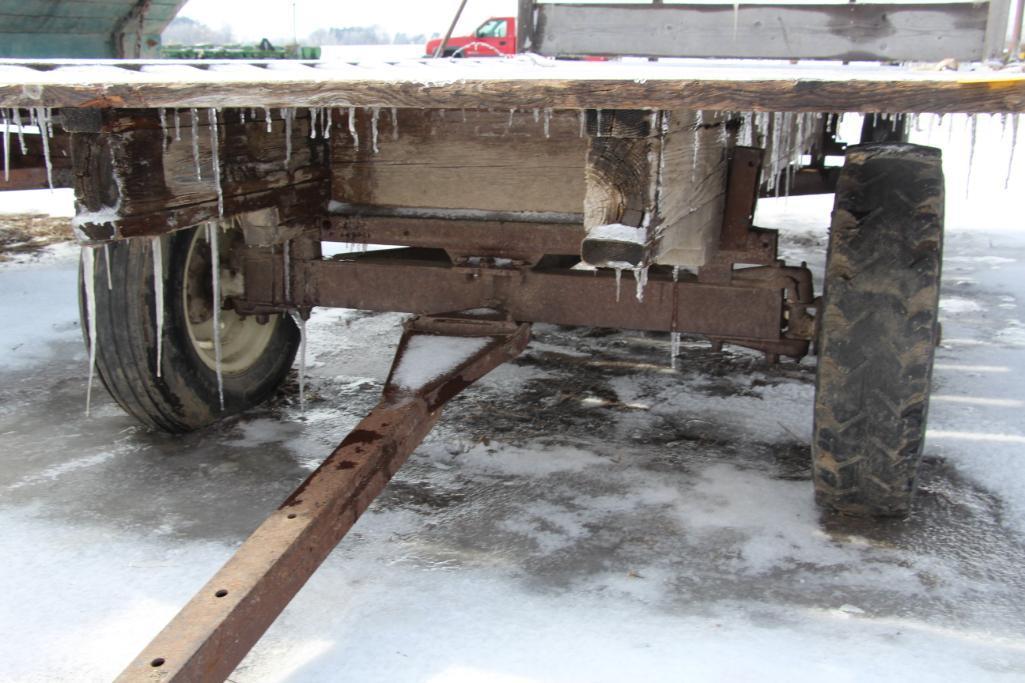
(184,397)
(879,327)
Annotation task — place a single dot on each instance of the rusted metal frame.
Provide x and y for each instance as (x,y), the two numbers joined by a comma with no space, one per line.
(519,241)
(215,630)
(425,282)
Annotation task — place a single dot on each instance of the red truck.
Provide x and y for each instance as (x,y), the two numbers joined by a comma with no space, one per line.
(496,36)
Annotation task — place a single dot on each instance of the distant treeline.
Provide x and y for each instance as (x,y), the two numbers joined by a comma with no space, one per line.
(185,31)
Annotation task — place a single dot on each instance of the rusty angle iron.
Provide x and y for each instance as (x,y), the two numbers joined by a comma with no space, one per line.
(213,632)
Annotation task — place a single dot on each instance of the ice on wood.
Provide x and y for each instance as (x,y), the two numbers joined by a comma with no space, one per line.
(394,123)
(427,357)
(641,276)
(194,114)
(45,133)
(177,126)
(619,283)
(215,154)
(375,114)
(213,239)
(21,131)
(163,128)
(314,113)
(548,122)
(268,119)
(674,349)
(287,115)
(617,232)
(158,296)
(89,280)
(352,127)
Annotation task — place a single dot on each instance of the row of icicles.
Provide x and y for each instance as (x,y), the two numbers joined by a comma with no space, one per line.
(786,136)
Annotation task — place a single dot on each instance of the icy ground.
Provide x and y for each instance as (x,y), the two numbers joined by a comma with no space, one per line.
(582,514)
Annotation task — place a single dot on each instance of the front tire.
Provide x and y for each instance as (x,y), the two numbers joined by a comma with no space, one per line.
(879,327)
(255,356)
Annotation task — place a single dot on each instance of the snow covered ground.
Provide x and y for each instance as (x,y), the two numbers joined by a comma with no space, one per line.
(584,513)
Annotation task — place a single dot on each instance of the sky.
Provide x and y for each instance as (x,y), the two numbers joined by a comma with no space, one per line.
(255,19)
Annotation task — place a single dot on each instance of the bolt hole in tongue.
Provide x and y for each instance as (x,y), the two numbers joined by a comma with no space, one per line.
(221,593)
(159,661)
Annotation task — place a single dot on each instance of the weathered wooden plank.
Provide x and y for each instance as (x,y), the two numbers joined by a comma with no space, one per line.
(472,159)
(692,188)
(136,177)
(662,174)
(523,84)
(855,31)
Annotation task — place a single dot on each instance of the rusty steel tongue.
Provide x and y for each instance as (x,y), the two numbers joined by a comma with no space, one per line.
(436,359)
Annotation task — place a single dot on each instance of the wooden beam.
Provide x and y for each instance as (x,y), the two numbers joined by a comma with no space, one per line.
(518,83)
(851,32)
(135,177)
(656,185)
(464,159)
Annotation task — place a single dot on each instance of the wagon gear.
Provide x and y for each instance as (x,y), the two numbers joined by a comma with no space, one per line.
(506,192)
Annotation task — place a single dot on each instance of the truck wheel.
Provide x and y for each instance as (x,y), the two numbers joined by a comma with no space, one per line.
(256,355)
(879,328)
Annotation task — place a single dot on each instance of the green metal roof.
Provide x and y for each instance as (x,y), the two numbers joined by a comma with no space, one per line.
(83,28)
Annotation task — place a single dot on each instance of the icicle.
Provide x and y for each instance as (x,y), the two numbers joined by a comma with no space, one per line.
(1003,125)
(676,273)
(548,122)
(971,154)
(252,114)
(597,123)
(242,115)
(43,118)
(696,146)
(537,114)
(375,112)
(394,123)
(7,148)
(619,282)
(21,133)
(352,127)
(213,239)
(289,116)
(88,277)
(158,297)
(509,123)
(313,122)
(641,276)
(177,126)
(268,118)
(674,348)
(195,142)
(106,257)
(463,112)
(301,324)
(328,113)
(163,128)
(286,267)
(215,154)
(1014,145)
(736,18)
(583,122)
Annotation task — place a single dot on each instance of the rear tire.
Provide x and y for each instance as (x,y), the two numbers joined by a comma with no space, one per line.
(255,359)
(879,328)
